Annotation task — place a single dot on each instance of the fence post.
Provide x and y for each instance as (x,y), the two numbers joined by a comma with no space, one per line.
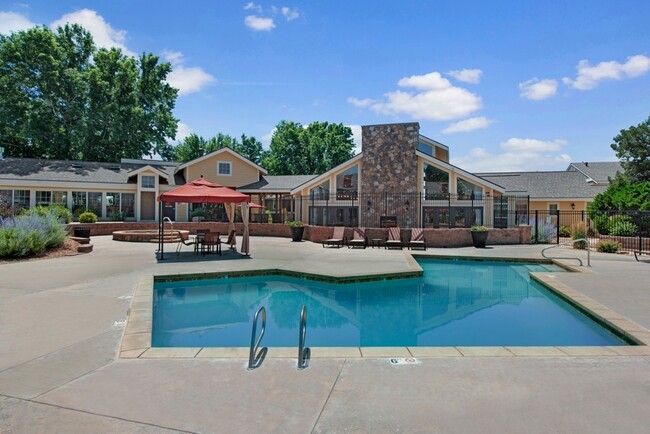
(557,228)
(536,226)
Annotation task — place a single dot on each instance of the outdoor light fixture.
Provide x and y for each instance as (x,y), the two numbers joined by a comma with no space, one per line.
(573,206)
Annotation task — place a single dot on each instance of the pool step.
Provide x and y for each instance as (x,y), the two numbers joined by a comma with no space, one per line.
(85,248)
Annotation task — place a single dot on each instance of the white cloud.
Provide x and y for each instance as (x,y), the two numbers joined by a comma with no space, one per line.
(435,99)
(466,75)
(266,138)
(290,14)
(13,22)
(366,102)
(588,76)
(258,23)
(356,137)
(103,33)
(465,125)
(182,132)
(537,89)
(252,6)
(518,155)
(186,79)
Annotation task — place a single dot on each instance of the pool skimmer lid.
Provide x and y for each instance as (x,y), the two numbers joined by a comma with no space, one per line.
(404,361)
(120,323)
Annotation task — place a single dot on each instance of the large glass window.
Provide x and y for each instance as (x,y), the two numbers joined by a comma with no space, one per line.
(436,183)
(128,205)
(467,190)
(21,198)
(347,184)
(79,202)
(5,198)
(321,191)
(60,198)
(43,197)
(334,216)
(148,181)
(112,205)
(427,149)
(224,168)
(95,203)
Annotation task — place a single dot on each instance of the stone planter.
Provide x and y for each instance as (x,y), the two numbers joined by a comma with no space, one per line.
(297,232)
(81,231)
(479,238)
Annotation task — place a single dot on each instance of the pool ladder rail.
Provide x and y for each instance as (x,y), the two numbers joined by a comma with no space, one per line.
(567,257)
(255,359)
(304,353)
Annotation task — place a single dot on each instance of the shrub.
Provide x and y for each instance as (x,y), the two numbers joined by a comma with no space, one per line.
(546,231)
(27,235)
(295,224)
(116,216)
(199,212)
(479,228)
(608,246)
(622,226)
(601,221)
(579,230)
(60,212)
(565,231)
(88,217)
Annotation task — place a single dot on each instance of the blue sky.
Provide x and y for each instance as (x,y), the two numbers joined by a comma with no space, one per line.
(506,85)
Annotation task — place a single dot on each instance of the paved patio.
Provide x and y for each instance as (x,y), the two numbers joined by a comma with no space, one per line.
(59,371)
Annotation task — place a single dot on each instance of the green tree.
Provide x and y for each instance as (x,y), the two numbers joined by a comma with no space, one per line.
(312,150)
(622,195)
(192,147)
(250,148)
(632,146)
(61,97)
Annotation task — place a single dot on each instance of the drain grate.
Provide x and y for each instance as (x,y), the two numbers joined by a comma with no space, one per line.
(404,361)
(119,324)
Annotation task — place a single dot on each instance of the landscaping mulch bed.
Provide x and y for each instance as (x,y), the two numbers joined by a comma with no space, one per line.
(69,248)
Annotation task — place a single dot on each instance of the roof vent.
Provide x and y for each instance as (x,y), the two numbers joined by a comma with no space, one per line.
(76,166)
(114,167)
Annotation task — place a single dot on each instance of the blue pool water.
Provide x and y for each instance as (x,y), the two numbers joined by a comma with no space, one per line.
(455,303)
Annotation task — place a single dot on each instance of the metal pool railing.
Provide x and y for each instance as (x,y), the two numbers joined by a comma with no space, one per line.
(567,257)
(254,359)
(303,353)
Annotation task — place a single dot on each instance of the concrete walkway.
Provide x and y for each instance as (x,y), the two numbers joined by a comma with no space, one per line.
(59,372)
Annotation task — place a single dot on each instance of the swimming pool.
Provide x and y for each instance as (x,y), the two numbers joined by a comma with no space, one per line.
(455,303)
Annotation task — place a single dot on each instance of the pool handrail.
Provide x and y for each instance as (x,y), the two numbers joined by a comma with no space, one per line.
(304,353)
(254,359)
(570,242)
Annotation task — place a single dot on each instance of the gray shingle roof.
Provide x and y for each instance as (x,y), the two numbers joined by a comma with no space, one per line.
(279,184)
(565,184)
(598,171)
(77,171)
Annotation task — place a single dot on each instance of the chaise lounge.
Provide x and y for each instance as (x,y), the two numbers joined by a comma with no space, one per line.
(338,238)
(358,239)
(394,238)
(417,239)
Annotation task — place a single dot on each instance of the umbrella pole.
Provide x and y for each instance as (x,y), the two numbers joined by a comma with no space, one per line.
(161,232)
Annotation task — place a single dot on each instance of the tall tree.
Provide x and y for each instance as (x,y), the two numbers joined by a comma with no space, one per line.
(312,150)
(632,146)
(195,146)
(55,102)
(250,148)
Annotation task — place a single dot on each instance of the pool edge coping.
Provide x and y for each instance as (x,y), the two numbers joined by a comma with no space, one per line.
(136,337)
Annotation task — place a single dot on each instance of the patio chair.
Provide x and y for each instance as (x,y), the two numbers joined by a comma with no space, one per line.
(358,239)
(211,243)
(338,239)
(417,239)
(394,238)
(184,240)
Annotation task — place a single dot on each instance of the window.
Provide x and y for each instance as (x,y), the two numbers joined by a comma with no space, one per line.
(148,181)
(112,205)
(320,192)
(60,198)
(21,198)
(436,183)
(467,190)
(95,203)
(128,204)
(43,197)
(223,168)
(79,201)
(552,208)
(347,184)
(5,198)
(427,149)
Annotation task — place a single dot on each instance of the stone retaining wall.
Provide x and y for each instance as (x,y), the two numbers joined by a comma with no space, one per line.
(460,237)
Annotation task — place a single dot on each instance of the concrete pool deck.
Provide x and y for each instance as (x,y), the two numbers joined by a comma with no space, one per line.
(60,371)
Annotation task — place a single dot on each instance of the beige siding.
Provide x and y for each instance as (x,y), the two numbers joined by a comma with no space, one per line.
(242,173)
(563,204)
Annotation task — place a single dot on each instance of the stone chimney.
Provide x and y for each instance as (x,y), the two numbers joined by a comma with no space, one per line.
(389,160)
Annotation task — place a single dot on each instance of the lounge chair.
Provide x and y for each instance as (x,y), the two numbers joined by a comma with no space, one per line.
(231,240)
(394,238)
(211,243)
(337,238)
(358,239)
(183,240)
(417,239)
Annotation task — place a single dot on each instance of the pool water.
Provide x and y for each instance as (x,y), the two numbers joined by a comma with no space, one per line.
(455,303)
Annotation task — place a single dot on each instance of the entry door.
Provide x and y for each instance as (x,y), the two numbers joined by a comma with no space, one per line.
(147,205)
(169,210)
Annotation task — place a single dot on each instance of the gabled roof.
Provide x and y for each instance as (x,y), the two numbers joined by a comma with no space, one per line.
(150,168)
(470,176)
(321,177)
(546,185)
(222,151)
(599,171)
(33,169)
(276,184)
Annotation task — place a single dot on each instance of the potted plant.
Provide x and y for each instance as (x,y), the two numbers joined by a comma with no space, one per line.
(297,230)
(85,217)
(479,236)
